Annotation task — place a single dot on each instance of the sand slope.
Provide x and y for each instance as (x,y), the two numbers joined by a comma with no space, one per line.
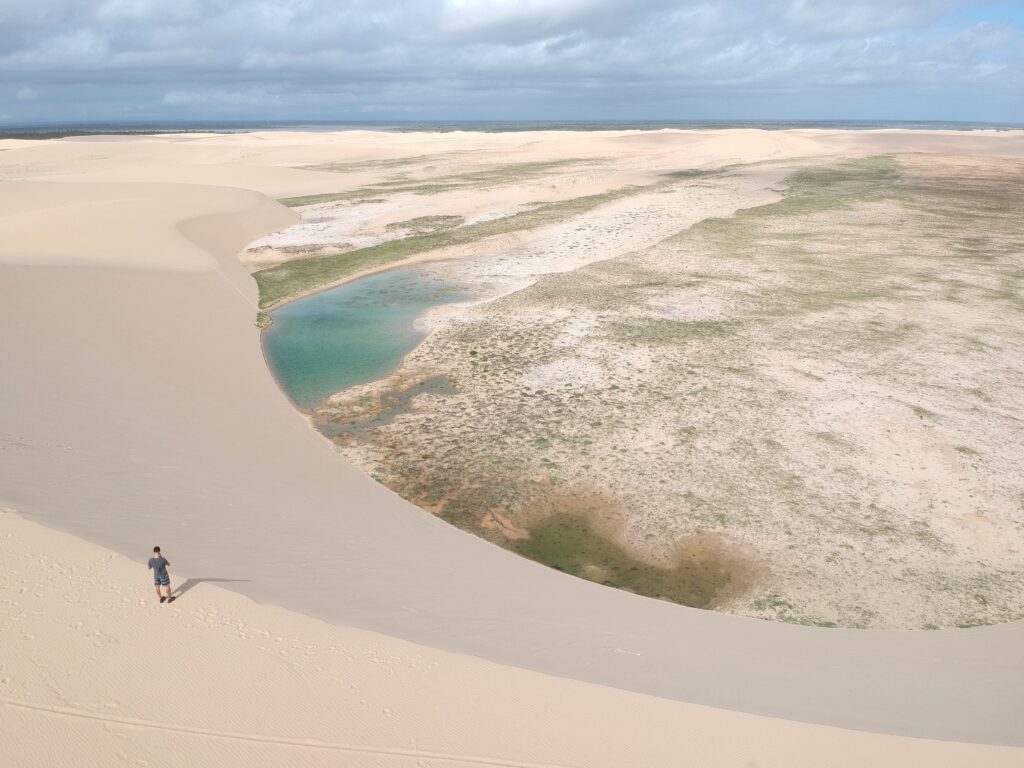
(136,409)
(96,672)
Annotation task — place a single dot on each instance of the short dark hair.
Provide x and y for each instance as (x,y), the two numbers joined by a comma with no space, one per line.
(156,549)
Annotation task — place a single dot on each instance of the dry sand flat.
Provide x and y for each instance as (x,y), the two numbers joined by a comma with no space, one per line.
(136,408)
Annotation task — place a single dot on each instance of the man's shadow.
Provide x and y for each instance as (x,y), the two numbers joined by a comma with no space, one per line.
(187,584)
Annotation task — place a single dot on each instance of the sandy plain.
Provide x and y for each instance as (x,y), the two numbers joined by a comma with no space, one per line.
(137,408)
(814,401)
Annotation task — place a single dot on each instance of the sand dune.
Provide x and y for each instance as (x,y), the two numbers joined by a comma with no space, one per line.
(137,409)
(96,672)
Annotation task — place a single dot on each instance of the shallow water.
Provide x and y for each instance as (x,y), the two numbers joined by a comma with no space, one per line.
(353,334)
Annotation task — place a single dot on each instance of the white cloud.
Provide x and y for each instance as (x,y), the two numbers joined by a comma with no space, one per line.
(468,56)
(376,109)
(985,36)
(856,17)
(26,94)
(219,98)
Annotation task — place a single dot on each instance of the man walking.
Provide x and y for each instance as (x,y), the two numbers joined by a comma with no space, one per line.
(158,564)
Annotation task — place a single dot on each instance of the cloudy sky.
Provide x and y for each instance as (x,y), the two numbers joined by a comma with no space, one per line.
(76,60)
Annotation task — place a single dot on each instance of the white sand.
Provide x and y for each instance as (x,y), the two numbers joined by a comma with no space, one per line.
(96,672)
(136,409)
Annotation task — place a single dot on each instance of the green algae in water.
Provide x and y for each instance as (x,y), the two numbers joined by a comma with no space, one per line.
(569,543)
(353,334)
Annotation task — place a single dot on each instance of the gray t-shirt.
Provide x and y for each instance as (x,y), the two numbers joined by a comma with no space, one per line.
(159,565)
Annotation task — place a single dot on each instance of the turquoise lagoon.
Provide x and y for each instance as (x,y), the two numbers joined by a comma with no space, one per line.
(353,334)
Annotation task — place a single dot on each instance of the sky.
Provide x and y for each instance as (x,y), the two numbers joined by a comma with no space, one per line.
(450,60)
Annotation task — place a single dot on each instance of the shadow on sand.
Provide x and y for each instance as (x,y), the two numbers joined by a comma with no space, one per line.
(189,583)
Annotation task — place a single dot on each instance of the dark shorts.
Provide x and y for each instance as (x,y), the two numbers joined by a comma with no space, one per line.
(162,581)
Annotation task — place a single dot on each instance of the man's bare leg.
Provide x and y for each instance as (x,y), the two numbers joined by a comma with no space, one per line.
(159,594)
(169,590)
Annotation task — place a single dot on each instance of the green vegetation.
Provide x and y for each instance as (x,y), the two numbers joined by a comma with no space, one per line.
(695,173)
(833,292)
(808,191)
(782,609)
(853,260)
(367,165)
(569,543)
(656,331)
(921,412)
(366,195)
(834,440)
(290,279)
(504,174)
(425,224)
(373,412)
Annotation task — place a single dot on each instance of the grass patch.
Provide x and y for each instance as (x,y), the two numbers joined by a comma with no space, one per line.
(503,174)
(426,224)
(282,282)
(783,610)
(921,412)
(569,543)
(659,331)
(834,440)
(808,191)
(365,195)
(808,239)
(353,166)
(695,173)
